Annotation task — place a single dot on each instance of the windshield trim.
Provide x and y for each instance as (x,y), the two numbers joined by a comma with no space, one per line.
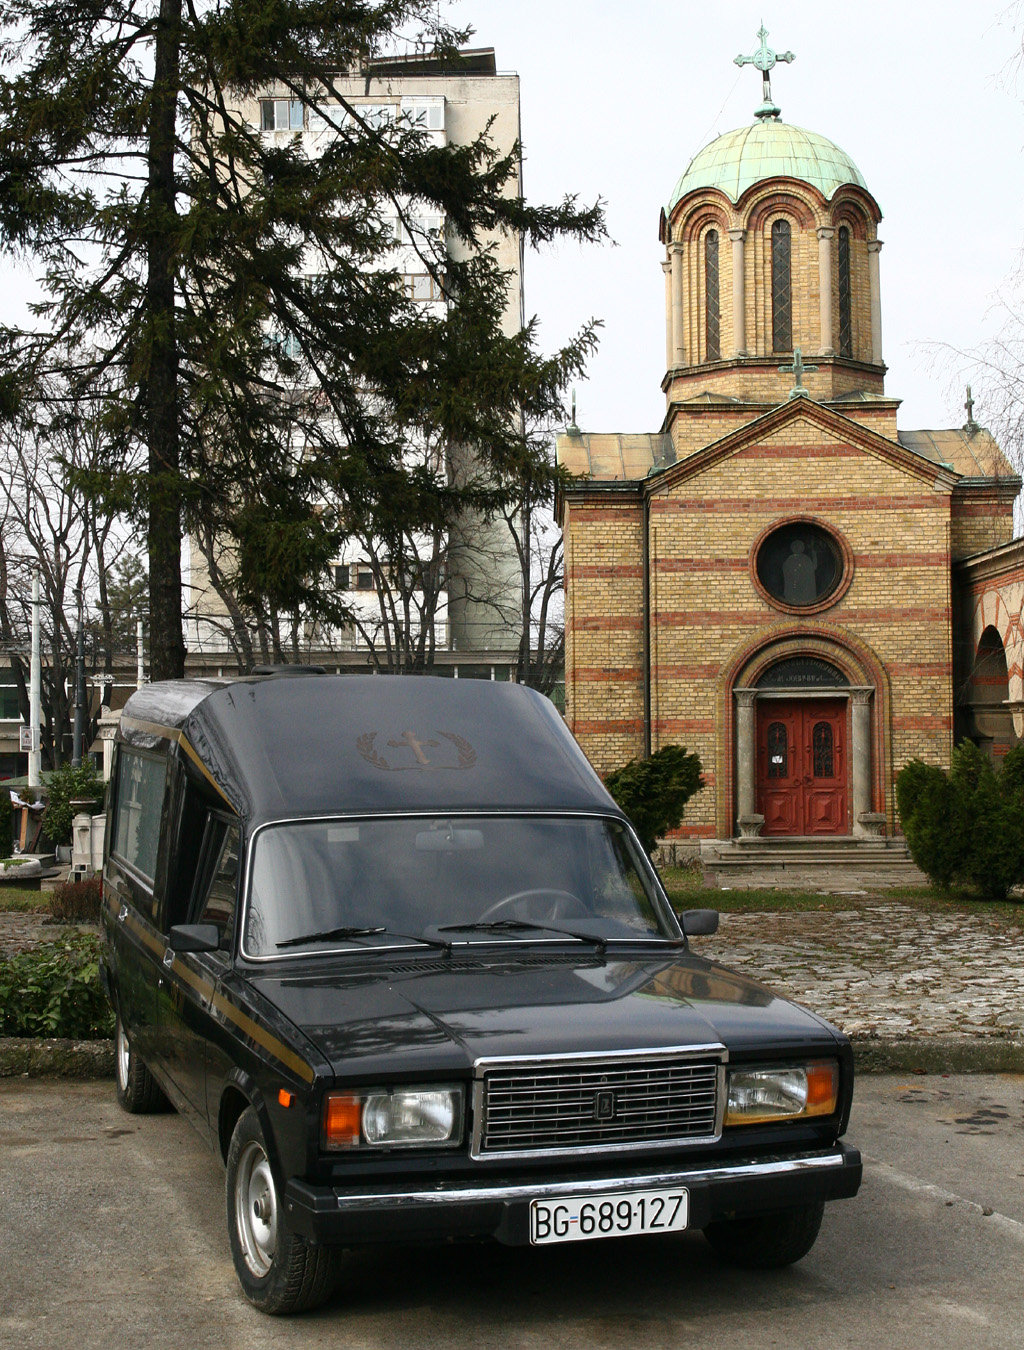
(358,947)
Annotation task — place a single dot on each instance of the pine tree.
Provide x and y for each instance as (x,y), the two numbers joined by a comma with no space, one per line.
(173,233)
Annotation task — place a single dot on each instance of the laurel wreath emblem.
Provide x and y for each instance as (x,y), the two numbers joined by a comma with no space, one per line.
(466,755)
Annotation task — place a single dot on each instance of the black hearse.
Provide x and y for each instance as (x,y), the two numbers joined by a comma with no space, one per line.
(392,948)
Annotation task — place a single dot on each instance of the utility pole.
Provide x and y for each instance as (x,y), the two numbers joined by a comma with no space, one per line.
(79,736)
(35,691)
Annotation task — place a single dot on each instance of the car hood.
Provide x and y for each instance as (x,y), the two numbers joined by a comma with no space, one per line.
(441,1015)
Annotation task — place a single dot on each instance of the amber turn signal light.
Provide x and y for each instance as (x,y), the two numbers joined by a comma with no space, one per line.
(342,1120)
(822,1085)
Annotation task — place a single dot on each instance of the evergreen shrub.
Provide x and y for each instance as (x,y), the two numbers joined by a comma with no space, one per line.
(653,792)
(66,785)
(966,827)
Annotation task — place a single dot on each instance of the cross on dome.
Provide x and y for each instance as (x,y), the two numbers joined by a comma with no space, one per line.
(763,59)
(797,369)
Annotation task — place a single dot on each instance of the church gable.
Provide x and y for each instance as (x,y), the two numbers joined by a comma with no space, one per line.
(801,430)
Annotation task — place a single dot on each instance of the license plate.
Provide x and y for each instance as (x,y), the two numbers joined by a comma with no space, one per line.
(574,1219)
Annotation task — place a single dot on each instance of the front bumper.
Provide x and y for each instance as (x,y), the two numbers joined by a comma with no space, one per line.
(380,1214)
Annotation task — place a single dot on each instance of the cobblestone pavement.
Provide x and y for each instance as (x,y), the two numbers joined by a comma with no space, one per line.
(879,969)
(885,969)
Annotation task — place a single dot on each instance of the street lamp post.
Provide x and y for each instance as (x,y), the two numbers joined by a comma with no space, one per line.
(79,735)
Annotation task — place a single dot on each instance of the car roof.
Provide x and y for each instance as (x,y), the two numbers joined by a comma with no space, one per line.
(300,745)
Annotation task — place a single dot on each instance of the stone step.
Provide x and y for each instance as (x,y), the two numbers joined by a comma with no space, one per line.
(811,863)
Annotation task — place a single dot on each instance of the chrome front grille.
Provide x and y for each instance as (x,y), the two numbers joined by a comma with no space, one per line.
(584,1104)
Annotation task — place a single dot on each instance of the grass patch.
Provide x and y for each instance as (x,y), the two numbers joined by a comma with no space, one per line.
(19,900)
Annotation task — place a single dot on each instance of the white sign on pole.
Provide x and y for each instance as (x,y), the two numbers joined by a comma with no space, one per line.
(28,739)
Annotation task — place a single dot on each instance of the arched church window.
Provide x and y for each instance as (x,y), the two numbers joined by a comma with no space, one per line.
(822,750)
(778,750)
(782,286)
(712,302)
(845,304)
(800,564)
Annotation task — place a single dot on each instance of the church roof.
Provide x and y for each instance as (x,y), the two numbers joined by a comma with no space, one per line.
(974,454)
(768,149)
(614,456)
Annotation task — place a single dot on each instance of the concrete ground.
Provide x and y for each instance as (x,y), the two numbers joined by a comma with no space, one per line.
(114,1234)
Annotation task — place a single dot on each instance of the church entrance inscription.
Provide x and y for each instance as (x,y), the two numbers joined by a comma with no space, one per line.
(801,766)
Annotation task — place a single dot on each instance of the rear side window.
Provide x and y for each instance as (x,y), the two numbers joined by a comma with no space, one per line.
(218,904)
(140,798)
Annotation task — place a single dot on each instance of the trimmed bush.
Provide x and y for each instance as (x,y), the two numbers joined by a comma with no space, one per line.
(653,792)
(77,901)
(54,990)
(966,827)
(932,821)
(66,785)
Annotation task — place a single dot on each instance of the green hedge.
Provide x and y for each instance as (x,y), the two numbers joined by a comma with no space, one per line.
(55,990)
(966,827)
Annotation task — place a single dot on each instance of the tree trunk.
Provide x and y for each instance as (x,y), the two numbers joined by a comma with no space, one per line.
(167,647)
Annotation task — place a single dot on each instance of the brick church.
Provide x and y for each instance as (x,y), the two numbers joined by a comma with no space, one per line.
(780,578)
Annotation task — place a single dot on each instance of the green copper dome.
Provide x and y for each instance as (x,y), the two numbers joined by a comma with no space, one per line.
(768,149)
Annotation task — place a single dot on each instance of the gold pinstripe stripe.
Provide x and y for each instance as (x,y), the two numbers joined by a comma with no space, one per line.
(179,737)
(206,990)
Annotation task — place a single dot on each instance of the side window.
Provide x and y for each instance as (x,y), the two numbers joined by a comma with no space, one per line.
(217,889)
(140,797)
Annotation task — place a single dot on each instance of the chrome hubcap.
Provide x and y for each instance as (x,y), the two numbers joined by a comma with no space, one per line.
(122,1057)
(255,1205)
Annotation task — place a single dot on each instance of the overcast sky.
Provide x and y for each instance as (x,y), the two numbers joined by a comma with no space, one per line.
(617,97)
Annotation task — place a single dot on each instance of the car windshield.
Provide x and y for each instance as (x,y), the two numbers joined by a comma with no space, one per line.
(325,884)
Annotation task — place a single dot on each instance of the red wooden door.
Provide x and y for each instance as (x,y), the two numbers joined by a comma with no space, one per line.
(801,766)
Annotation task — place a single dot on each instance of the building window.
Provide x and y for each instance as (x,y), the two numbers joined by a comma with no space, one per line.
(800,564)
(341,577)
(712,312)
(422,286)
(845,307)
(281,114)
(426,116)
(782,287)
(364,579)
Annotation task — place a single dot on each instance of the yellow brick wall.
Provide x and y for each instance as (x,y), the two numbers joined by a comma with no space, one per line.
(705,607)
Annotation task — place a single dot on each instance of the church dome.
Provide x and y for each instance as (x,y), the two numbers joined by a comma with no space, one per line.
(768,149)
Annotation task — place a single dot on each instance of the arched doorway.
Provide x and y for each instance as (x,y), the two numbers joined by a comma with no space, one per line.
(802,748)
(804,729)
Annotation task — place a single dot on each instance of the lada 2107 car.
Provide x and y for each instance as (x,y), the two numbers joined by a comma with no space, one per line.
(395,952)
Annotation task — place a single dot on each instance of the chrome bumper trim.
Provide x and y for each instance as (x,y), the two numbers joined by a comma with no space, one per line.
(811,1162)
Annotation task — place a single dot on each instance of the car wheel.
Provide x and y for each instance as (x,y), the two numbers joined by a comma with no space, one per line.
(137,1089)
(767,1241)
(279,1271)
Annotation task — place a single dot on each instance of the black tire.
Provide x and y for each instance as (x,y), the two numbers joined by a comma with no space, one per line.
(767,1241)
(279,1271)
(137,1089)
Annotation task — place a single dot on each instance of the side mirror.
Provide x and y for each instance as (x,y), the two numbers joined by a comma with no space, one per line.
(700,922)
(194,937)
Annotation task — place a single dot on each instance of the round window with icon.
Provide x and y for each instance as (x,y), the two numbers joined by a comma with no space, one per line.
(800,565)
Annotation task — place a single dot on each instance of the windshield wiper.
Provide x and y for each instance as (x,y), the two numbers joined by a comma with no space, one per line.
(328,934)
(521,925)
(339,934)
